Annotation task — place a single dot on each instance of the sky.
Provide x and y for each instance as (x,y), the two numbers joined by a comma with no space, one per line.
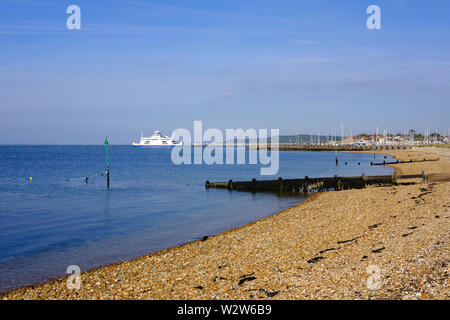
(299,66)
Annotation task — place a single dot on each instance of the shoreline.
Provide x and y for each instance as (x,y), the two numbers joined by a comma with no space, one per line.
(163,251)
(180,270)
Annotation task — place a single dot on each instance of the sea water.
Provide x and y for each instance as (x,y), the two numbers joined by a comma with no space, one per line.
(58,219)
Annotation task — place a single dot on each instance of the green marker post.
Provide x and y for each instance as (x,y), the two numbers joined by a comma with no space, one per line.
(107,163)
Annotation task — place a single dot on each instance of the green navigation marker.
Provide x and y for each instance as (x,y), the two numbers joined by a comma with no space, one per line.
(106,144)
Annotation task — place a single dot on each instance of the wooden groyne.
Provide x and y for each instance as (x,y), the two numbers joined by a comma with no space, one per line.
(400,161)
(293,147)
(321,184)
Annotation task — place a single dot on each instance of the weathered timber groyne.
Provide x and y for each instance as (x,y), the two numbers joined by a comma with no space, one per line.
(293,147)
(400,161)
(321,184)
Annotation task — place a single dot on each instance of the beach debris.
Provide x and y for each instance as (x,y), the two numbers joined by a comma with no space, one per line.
(269,294)
(315,259)
(247,275)
(217,277)
(378,250)
(243,280)
(329,249)
(347,241)
(406,234)
(375,225)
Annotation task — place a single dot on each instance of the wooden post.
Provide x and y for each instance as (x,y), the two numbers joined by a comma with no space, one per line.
(107,176)
(424,176)
(364,179)
(280,187)
(394,177)
(335,149)
(107,163)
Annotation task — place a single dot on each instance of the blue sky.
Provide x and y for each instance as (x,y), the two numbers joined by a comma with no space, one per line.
(146,65)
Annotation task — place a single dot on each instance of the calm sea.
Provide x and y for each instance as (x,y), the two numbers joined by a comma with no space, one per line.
(58,219)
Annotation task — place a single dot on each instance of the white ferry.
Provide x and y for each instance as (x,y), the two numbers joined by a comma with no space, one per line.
(156,140)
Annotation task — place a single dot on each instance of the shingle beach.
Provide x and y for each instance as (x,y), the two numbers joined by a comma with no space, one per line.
(373,243)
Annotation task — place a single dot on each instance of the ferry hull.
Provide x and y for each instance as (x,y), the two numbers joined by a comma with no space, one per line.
(157,146)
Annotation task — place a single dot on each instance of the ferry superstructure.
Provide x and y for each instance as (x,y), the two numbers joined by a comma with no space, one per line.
(156,140)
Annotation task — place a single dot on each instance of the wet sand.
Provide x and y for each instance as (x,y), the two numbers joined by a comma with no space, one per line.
(374,243)
(442,166)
